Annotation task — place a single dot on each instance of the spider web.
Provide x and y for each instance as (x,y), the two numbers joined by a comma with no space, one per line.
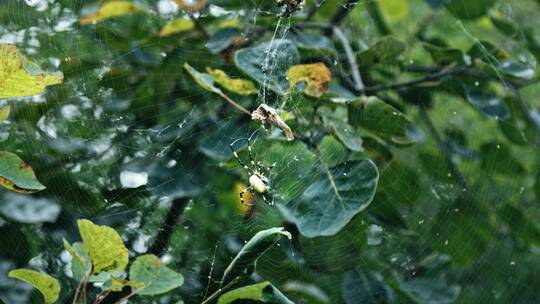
(95,137)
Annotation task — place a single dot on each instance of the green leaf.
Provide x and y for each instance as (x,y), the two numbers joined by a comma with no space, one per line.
(47,285)
(466,9)
(263,292)
(442,53)
(156,277)
(238,86)
(384,51)
(116,285)
(268,63)
(366,287)
(222,39)
(105,247)
(497,157)
(204,80)
(537,186)
(81,267)
(521,225)
(315,78)
(4,113)
(394,11)
(337,122)
(336,195)
(309,293)
(112,9)
(19,77)
(176,26)
(383,120)
(252,250)
(17,175)
(486,102)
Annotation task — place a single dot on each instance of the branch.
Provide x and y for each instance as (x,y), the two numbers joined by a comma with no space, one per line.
(199,26)
(166,229)
(359,84)
(444,150)
(344,9)
(234,103)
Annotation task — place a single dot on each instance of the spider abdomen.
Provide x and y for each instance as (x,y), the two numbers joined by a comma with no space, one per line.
(257,184)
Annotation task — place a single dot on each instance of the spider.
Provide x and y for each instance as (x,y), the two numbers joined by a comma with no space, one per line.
(258,181)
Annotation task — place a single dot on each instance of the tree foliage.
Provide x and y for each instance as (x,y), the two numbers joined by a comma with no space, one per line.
(386,151)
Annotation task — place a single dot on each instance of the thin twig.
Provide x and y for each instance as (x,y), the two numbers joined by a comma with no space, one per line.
(199,25)
(161,242)
(344,10)
(359,84)
(234,103)
(444,150)
(126,297)
(218,292)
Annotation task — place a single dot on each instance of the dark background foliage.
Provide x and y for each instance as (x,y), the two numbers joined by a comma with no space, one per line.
(452,125)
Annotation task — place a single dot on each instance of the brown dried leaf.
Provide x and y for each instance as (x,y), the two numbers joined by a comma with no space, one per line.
(269,116)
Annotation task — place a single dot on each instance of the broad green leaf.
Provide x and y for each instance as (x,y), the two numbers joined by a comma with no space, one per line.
(17,175)
(112,9)
(177,26)
(497,157)
(444,54)
(462,230)
(466,9)
(519,65)
(47,285)
(4,113)
(156,277)
(238,86)
(517,128)
(223,39)
(384,51)
(315,78)
(332,152)
(81,266)
(383,120)
(537,186)
(366,287)
(251,251)
(337,123)
(105,247)
(521,225)
(20,77)
(309,293)
(263,292)
(268,63)
(333,199)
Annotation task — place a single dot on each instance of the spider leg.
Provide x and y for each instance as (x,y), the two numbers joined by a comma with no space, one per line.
(266,200)
(242,195)
(249,148)
(238,158)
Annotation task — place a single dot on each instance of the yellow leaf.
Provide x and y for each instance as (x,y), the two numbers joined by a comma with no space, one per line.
(110,10)
(105,247)
(177,26)
(316,77)
(19,77)
(238,86)
(4,113)
(47,285)
(191,5)
(393,10)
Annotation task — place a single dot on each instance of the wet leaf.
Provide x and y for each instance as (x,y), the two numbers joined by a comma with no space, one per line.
(47,285)
(20,77)
(155,276)
(466,9)
(268,63)
(251,251)
(337,122)
(17,175)
(176,26)
(112,9)
(333,199)
(521,225)
(315,77)
(105,247)
(263,292)
(238,86)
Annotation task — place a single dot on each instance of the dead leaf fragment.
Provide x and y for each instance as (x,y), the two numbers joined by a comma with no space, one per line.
(269,116)
(192,6)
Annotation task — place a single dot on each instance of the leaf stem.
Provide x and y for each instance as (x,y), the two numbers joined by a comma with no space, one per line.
(218,292)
